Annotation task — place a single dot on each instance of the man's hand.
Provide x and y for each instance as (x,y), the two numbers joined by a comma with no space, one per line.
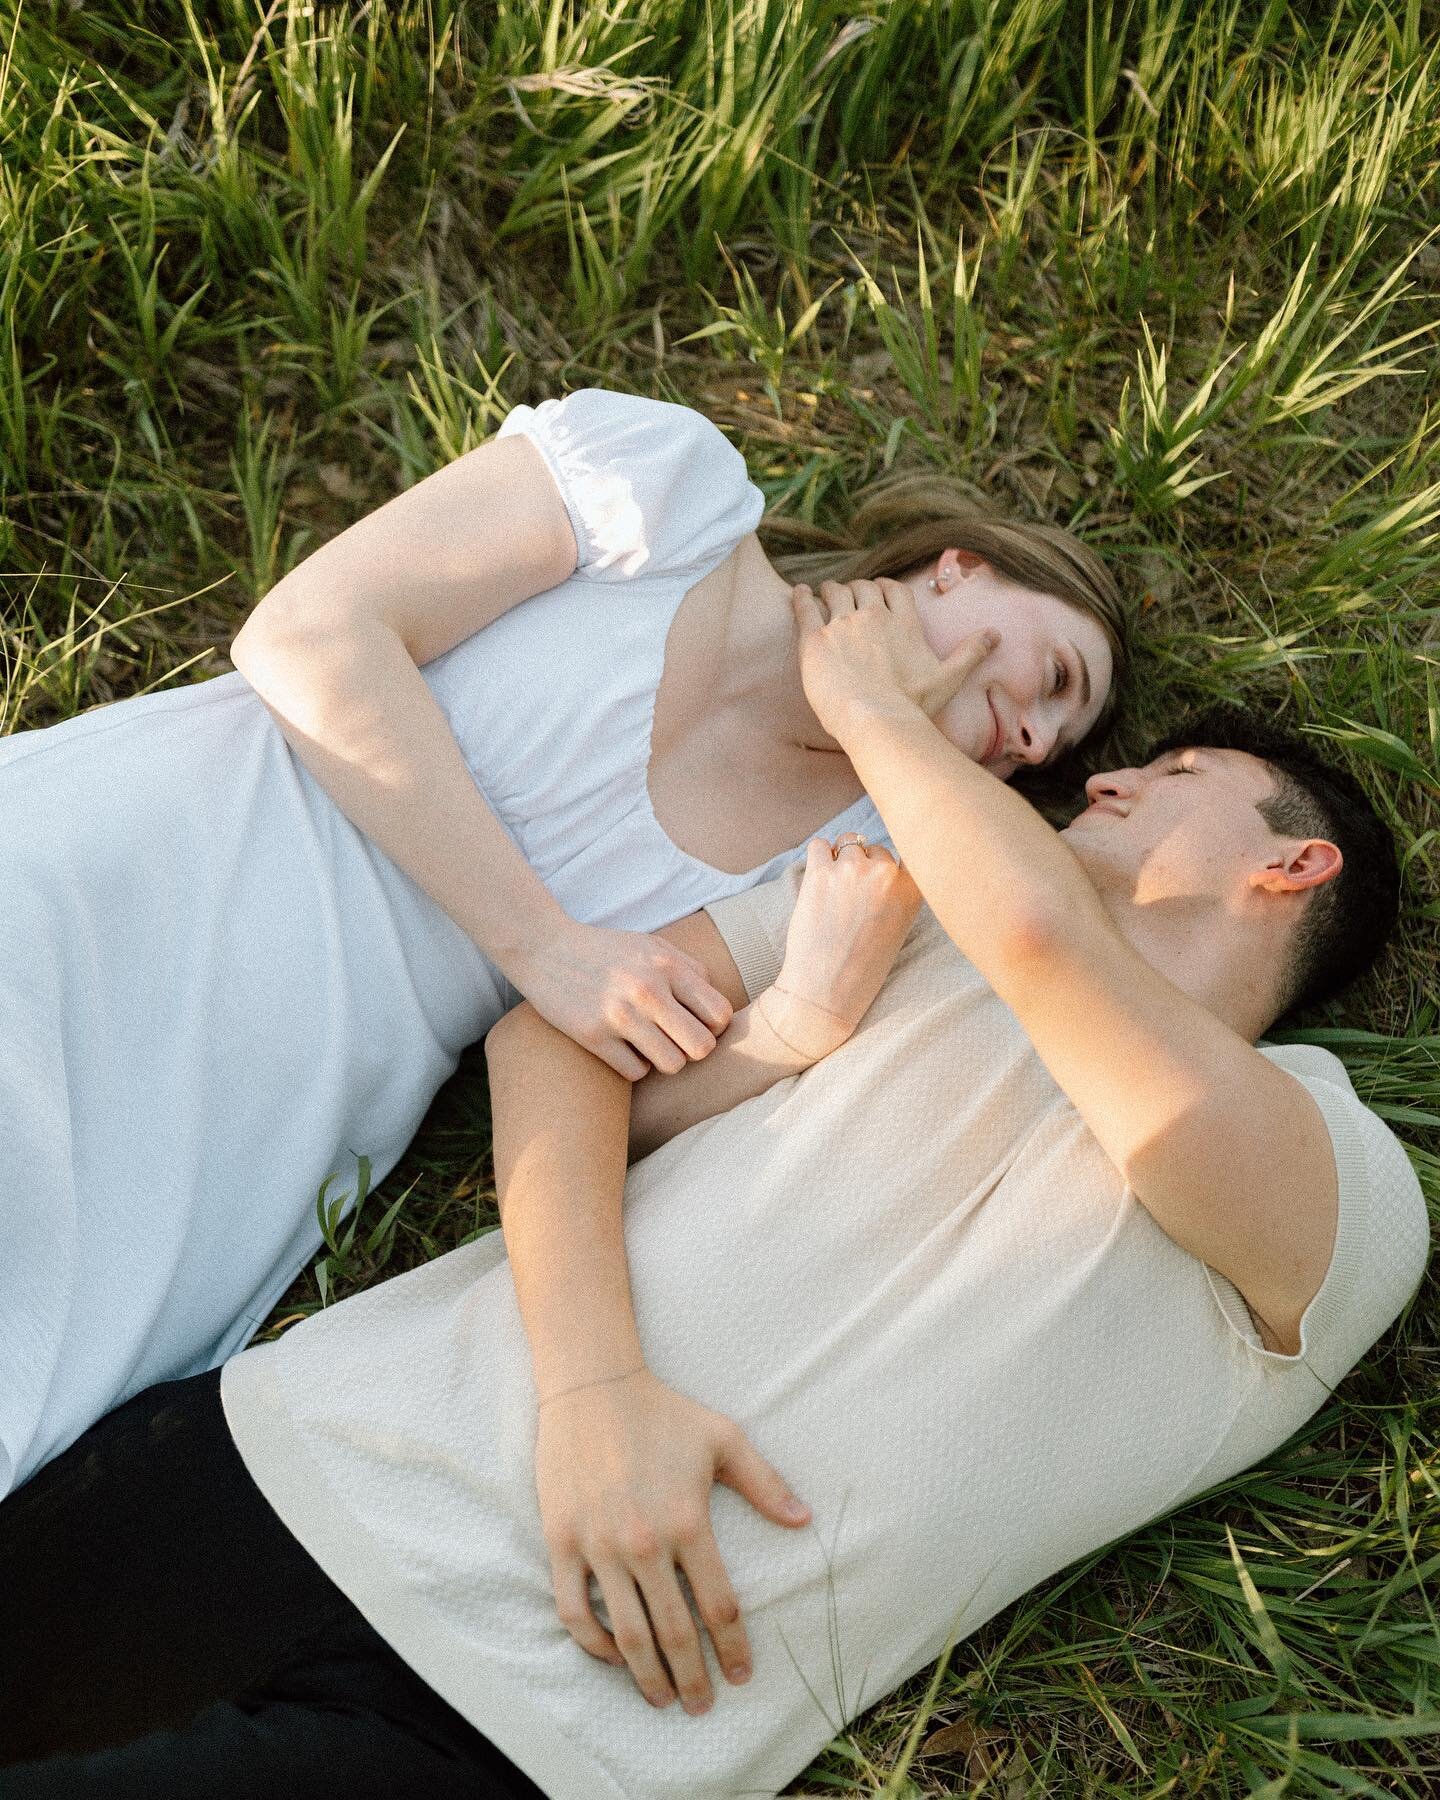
(853,912)
(862,644)
(624,1471)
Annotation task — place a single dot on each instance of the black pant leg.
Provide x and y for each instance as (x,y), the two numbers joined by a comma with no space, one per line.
(338,1723)
(143,1576)
(159,1622)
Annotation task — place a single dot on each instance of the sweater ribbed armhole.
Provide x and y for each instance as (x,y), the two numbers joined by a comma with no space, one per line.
(1323,1317)
(747,940)
(755,923)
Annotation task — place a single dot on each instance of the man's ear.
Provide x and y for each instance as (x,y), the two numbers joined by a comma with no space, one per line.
(1305,865)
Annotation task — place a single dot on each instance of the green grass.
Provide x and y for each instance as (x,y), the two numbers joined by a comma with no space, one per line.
(1165,270)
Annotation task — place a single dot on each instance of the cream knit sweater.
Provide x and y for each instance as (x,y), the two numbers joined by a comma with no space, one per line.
(914,1278)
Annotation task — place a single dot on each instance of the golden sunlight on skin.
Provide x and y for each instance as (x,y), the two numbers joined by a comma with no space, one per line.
(1182,848)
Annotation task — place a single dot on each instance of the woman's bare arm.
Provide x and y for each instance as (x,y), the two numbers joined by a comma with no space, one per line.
(335,651)
(621,1459)
(624,1464)
(356,710)
(436,563)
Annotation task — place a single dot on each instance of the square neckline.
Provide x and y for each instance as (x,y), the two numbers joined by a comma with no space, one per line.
(863,807)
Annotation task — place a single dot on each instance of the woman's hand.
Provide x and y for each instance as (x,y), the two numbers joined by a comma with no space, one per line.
(861,643)
(624,1470)
(854,910)
(634,1000)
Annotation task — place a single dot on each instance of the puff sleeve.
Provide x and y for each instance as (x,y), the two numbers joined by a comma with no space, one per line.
(651,488)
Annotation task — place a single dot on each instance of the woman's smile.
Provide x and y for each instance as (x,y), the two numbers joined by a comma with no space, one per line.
(992,749)
(1041,715)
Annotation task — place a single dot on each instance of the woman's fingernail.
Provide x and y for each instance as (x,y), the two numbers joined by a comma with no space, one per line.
(793,1508)
(741,1672)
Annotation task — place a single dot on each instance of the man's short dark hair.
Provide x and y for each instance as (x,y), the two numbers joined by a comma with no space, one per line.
(1346,922)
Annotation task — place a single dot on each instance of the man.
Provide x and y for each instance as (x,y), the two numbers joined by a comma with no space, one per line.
(1045,1248)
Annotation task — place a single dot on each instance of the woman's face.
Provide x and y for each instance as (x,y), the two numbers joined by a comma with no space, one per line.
(1040,690)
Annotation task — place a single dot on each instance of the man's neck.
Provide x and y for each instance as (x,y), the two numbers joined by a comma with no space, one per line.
(1219,960)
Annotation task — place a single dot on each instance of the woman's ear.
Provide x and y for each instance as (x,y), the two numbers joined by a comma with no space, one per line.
(955,564)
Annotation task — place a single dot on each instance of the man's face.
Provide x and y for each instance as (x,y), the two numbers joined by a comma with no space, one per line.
(1186,826)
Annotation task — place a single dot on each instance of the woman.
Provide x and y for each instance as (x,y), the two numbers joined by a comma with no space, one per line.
(253,922)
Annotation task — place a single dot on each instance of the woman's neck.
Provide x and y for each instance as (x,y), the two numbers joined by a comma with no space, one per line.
(760,660)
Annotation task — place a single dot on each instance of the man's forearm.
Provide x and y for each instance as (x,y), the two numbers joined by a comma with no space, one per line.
(765,1041)
(991,869)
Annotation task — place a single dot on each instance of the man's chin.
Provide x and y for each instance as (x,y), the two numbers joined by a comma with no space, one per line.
(1083,846)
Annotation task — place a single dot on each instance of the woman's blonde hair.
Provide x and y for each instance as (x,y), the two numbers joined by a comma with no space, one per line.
(901,522)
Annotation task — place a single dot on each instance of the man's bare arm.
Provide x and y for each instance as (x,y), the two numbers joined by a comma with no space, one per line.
(560,1120)
(565,1125)
(1227,1152)
(624,1464)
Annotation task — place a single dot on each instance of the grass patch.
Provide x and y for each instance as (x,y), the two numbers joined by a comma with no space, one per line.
(1163,270)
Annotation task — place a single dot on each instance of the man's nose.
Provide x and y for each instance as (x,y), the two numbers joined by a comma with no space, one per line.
(1112,784)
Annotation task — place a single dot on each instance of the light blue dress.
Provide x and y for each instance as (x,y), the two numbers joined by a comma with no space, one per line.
(215,991)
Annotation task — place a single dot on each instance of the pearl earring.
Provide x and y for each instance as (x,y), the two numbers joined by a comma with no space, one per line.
(936,586)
